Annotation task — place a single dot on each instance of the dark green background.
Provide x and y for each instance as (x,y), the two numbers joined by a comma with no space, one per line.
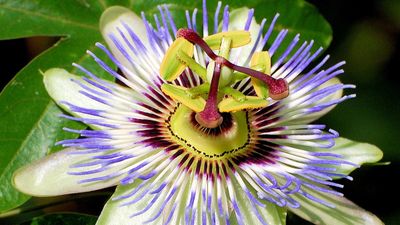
(366,35)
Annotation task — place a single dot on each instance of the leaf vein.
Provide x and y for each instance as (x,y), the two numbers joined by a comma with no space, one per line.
(36,125)
(61,20)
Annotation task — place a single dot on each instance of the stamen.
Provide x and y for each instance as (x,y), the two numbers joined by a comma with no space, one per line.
(278,88)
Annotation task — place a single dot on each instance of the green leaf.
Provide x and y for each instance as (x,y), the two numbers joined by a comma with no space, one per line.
(30,122)
(63,219)
(38,140)
(30,125)
(297,16)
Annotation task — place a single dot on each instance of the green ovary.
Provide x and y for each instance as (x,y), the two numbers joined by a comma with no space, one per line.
(199,142)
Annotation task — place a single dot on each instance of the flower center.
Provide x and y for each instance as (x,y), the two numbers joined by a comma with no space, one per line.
(232,135)
(220,96)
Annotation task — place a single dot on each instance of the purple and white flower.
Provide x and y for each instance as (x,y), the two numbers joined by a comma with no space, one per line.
(172,165)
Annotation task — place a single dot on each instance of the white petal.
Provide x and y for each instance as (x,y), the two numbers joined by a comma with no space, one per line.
(63,87)
(237,21)
(114,213)
(355,152)
(271,213)
(49,176)
(344,213)
(113,17)
(310,117)
(113,22)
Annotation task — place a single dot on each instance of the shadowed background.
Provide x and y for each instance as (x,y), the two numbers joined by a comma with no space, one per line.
(367,37)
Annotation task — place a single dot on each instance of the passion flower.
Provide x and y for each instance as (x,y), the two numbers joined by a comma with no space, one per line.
(202,129)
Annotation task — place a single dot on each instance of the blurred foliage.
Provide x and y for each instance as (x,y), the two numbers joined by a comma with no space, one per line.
(368,39)
(63,219)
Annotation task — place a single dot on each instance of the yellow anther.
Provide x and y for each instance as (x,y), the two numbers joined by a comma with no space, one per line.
(238,38)
(261,60)
(171,67)
(251,102)
(180,94)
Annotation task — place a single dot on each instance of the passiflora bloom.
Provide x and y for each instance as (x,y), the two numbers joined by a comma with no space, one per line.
(203,129)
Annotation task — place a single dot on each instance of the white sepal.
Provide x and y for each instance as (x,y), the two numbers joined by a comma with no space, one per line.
(237,21)
(63,88)
(49,176)
(355,152)
(344,213)
(116,213)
